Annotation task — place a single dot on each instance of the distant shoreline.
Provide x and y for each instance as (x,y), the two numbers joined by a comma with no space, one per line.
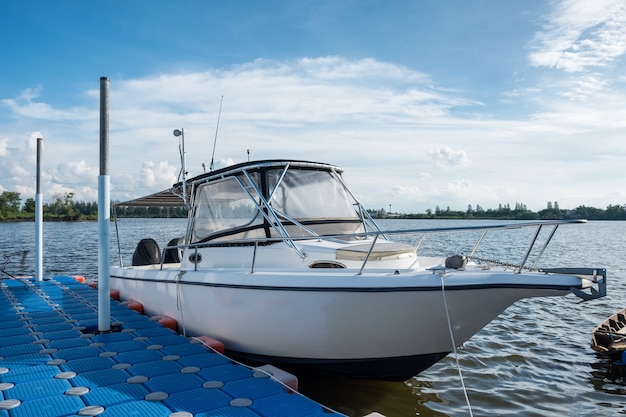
(393,217)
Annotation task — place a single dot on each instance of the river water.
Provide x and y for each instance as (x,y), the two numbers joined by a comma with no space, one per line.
(533,360)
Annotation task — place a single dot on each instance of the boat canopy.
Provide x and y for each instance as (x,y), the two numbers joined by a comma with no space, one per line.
(172,197)
(166,198)
(265,199)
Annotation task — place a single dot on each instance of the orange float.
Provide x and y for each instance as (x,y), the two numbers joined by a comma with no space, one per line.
(166,321)
(134,305)
(207,341)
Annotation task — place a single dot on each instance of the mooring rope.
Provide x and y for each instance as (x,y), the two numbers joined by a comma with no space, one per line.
(179,304)
(456,356)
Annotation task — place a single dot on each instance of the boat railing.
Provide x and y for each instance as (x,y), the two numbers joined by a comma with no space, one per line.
(534,247)
(266,211)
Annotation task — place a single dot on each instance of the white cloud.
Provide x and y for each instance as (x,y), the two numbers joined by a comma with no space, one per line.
(459,186)
(424,176)
(580,35)
(160,174)
(380,121)
(4,145)
(26,105)
(446,156)
(333,68)
(411,192)
(73,173)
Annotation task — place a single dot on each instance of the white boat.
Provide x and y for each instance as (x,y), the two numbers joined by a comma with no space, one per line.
(283,265)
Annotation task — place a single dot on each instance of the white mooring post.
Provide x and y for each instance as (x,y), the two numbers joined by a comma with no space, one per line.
(104,213)
(38,219)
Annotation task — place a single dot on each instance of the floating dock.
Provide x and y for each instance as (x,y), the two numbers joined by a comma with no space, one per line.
(54,364)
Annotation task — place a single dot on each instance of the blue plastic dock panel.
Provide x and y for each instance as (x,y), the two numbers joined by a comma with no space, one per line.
(197,400)
(53,364)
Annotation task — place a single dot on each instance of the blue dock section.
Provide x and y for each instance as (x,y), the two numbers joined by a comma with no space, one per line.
(53,364)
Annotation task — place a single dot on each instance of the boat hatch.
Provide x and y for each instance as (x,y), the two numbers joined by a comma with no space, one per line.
(380,252)
(327,265)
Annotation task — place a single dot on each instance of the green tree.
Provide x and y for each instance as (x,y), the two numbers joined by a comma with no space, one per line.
(10,203)
(64,206)
(615,212)
(583,212)
(29,205)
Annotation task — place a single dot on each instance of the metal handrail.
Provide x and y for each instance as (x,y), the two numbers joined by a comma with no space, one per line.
(255,242)
(369,253)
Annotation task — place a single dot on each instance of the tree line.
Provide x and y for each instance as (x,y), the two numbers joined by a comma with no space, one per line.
(63,207)
(518,212)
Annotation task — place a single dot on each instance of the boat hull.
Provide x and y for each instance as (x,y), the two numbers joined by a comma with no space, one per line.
(396,369)
(609,337)
(375,325)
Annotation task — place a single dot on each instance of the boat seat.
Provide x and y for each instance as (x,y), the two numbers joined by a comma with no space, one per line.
(382,251)
(147,253)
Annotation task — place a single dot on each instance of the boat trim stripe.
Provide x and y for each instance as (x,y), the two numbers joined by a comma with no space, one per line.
(354,289)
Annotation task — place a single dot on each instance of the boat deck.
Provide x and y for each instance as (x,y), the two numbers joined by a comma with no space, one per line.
(53,364)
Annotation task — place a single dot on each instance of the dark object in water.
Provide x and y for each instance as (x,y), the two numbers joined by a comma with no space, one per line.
(609,337)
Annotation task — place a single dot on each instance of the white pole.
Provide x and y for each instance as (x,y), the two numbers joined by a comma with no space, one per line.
(38,219)
(104,213)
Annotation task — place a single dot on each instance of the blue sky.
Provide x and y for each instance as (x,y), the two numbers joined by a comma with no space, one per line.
(424,103)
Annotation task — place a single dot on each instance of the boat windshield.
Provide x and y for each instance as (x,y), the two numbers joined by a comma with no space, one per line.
(222,206)
(302,200)
(310,194)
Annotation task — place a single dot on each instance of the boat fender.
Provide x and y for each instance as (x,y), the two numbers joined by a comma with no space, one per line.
(134,305)
(114,294)
(209,342)
(456,262)
(288,380)
(166,321)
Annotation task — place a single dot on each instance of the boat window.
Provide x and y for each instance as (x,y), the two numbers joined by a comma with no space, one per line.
(311,194)
(222,206)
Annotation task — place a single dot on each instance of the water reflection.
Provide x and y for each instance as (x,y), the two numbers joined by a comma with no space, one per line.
(356,398)
(608,377)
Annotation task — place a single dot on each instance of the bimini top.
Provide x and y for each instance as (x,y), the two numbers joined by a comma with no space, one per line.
(172,197)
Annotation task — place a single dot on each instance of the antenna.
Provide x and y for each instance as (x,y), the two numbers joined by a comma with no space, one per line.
(216,128)
(183,170)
